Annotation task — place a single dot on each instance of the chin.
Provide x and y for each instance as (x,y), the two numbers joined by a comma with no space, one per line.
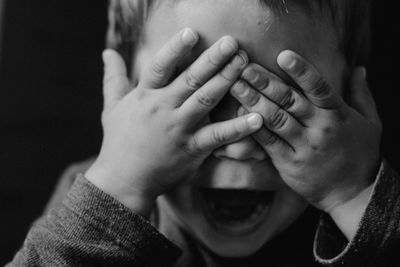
(234,249)
(235,221)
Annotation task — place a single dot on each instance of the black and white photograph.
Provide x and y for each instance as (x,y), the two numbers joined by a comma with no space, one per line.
(199,133)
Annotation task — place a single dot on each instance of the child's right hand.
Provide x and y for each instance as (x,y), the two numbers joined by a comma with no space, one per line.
(154,139)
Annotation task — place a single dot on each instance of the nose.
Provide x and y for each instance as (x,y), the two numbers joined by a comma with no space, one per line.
(244,149)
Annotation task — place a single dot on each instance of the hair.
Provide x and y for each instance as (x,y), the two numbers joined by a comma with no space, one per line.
(350,18)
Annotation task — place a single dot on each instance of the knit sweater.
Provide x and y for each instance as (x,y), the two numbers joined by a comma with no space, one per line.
(90,228)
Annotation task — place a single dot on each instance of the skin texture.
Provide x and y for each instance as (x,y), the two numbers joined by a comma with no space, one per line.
(180,110)
(315,139)
(243,164)
(171,114)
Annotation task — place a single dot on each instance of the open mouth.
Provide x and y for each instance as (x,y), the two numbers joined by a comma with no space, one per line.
(236,211)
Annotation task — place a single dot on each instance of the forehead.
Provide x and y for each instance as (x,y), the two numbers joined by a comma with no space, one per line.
(260,31)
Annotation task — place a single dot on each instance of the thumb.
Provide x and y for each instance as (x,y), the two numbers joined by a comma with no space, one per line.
(115,82)
(361,98)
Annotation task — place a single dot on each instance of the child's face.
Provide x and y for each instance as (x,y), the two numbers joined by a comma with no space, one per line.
(236,223)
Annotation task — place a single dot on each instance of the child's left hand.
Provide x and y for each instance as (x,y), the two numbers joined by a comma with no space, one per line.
(324,149)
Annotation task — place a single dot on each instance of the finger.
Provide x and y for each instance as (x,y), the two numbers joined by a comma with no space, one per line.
(272,87)
(115,82)
(205,67)
(276,119)
(314,86)
(218,134)
(200,103)
(164,64)
(272,144)
(242,111)
(361,98)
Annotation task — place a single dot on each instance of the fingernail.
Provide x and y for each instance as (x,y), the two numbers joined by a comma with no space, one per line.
(241,111)
(287,60)
(189,37)
(251,75)
(255,121)
(364,72)
(240,89)
(228,47)
(241,58)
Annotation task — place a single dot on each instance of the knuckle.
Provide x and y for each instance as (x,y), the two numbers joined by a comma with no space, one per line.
(300,160)
(326,131)
(157,70)
(288,99)
(319,87)
(153,109)
(270,139)
(204,99)
(192,81)
(218,136)
(321,138)
(193,147)
(277,119)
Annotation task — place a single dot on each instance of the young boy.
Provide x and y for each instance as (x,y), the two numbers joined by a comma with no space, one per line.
(227,176)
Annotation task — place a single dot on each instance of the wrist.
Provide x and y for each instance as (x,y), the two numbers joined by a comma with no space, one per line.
(348,215)
(127,194)
(362,180)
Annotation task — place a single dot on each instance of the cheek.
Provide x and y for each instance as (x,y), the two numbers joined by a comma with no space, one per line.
(182,205)
(334,69)
(140,61)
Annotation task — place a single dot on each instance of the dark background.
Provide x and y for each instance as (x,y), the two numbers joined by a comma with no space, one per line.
(50,99)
